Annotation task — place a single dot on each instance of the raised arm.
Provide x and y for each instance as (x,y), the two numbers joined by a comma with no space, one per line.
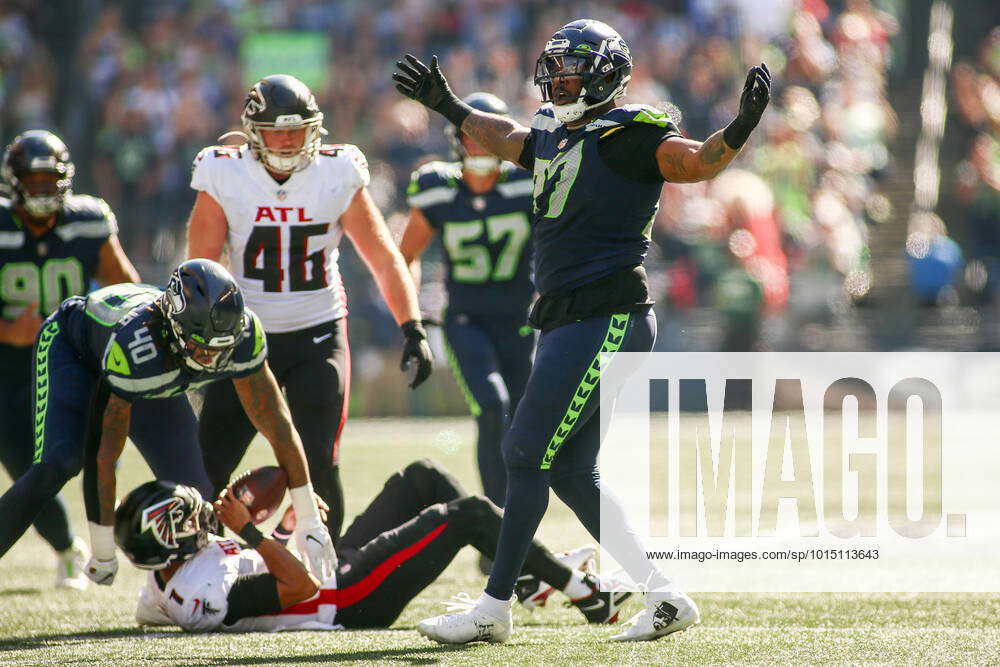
(500,135)
(686,161)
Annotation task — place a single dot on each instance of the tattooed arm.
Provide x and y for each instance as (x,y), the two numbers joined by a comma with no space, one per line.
(114,430)
(268,411)
(686,161)
(500,135)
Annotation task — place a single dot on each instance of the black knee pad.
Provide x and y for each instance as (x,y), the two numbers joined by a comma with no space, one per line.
(424,476)
(470,511)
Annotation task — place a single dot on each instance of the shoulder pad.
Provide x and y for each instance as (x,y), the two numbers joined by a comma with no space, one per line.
(7,223)
(220,153)
(134,364)
(514,181)
(545,119)
(87,217)
(211,157)
(433,183)
(349,154)
(345,151)
(251,353)
(632,114)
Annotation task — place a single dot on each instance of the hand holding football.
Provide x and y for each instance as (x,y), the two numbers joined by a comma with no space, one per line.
(261,490)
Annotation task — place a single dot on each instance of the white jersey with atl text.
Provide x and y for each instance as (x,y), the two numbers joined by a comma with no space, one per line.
(196,597)
(283,237)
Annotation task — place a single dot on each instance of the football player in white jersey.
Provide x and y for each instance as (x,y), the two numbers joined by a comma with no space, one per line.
(282,201)
(402,542)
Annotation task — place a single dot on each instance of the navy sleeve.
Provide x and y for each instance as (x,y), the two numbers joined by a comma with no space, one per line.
(527,157)
(630,150)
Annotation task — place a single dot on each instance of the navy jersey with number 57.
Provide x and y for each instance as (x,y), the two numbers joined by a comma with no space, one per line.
(486,237)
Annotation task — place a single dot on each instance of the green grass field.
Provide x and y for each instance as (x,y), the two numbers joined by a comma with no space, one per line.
(39,624)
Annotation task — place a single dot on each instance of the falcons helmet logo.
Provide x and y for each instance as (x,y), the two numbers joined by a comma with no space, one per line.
(165,520)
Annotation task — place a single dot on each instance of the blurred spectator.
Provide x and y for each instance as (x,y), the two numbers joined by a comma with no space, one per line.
(165,78)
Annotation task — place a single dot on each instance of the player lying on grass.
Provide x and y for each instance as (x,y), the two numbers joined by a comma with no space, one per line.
(397,547)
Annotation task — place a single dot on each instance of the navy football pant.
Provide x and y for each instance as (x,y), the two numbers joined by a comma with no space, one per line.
(556,435)
(491,360)
(313,366)
(69,401)
(17,449)
(406,538)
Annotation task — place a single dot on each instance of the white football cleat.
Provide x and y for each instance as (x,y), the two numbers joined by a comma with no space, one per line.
(69,566)
(664,614)
(532,592)
(472,622)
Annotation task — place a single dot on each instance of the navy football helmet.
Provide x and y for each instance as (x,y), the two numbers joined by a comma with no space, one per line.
(477,164)
(38,151)
(161,522)
(592,51)
(282,102)
(204,309)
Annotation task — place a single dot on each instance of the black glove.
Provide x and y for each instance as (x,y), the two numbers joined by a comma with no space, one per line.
(416,349)
(429,87)
(753,101)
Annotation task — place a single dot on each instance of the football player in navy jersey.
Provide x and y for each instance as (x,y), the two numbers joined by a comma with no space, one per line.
(598,170)
(481,206)
(98,354)
(53,244)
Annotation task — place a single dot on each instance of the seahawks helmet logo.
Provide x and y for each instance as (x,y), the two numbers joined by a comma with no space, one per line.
(165,520)
(175,295)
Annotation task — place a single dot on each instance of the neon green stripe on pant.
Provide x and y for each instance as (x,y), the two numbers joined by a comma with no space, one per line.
(45,339)
(612,342)
(456,370)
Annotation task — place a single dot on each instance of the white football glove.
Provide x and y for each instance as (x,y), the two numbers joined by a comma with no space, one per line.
(315,545)
(103,564)
(102,571)
(311,535)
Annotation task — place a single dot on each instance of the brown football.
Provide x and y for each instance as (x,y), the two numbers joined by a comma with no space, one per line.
(261,490)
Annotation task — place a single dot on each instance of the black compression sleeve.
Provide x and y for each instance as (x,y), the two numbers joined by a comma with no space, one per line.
(527,157)
(631,151)
(252,595)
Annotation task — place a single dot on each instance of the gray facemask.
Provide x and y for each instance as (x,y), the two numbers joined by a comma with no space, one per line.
(42,206)
(480,165)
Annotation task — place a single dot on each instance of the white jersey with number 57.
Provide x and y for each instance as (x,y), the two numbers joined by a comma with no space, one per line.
(283,237)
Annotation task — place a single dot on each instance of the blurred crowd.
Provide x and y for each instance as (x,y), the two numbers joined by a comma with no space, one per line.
(976,95)
(786,228)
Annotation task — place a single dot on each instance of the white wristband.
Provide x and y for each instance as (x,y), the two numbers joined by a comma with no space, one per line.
(304,503)
(102,541)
